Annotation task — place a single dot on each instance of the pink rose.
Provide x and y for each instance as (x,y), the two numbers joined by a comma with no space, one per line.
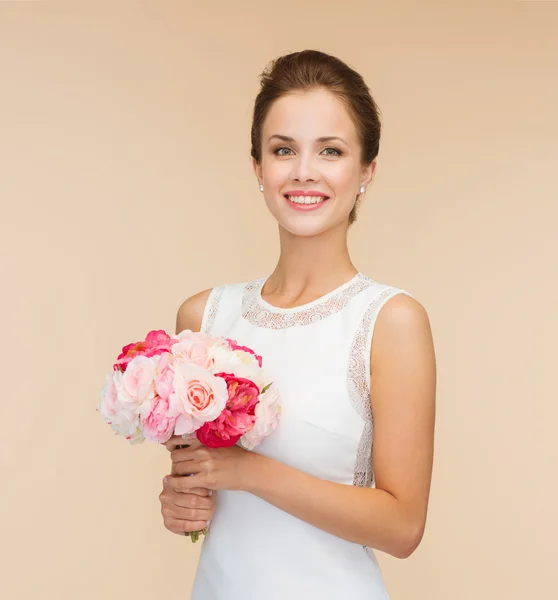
(156,342)
(188,334)
(234,346)
(194,348)
(164,374)
(198,397)
(243,393)
(157,421)
(138,380)
(226,430)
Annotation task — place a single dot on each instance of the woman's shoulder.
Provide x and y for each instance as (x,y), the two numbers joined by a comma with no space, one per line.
(390,301)
(381,287)
(191,312)
(393,304)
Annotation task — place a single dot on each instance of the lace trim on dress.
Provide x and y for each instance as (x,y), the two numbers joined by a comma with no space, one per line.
(279,318)
(358,380)
(211,310)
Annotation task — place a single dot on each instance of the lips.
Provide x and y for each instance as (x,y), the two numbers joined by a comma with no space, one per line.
(306,206)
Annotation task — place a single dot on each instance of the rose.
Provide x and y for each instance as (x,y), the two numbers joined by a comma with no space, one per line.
(241,363)
(138,381)
(238,416)
(267,416)
(198,397)
(156,342)
(196,336)
(157,421)
(110,407)
(234,346)
(115,406)
(226,430)
(193,348)
(243,393)
(219,350)
(164,374)
(122,416)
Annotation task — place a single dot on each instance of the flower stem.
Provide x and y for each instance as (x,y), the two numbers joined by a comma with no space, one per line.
(195,535)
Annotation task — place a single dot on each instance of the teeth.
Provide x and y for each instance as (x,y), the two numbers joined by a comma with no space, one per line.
(306,199)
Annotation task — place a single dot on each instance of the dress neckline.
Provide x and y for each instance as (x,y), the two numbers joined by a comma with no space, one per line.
(301,307)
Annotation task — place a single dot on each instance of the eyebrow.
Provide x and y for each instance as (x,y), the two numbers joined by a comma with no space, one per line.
(327,138)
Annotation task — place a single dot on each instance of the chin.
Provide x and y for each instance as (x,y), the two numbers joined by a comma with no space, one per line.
(309,228)
(308,225)
(300,231)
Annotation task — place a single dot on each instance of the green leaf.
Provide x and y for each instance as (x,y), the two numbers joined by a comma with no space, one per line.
(267,387)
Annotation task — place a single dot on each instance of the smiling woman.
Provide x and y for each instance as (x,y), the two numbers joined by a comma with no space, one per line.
(302,514)
(339,98)
(337,166)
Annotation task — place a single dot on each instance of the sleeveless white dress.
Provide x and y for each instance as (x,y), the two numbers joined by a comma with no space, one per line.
(318,354)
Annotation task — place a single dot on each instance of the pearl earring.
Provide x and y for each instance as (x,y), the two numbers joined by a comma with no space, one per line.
(362,189)
(261,187)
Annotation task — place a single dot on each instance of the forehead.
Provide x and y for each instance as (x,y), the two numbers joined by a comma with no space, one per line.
(308,115)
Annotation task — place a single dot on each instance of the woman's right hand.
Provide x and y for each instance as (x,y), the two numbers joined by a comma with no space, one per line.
(186,512)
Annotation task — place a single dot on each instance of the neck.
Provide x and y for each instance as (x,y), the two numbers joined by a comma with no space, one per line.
(312,262)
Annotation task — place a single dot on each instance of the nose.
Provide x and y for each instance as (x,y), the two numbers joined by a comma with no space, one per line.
(304,168)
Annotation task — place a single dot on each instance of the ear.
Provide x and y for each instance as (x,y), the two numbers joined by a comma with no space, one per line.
(257,170)
(367,173)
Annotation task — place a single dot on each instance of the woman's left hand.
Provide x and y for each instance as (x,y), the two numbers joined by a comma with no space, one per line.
(211,468)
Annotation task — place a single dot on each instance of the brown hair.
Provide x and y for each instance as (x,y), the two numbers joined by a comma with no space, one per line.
(308,70)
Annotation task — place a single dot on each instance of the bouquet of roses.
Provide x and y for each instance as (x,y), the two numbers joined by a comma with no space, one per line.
(192,385)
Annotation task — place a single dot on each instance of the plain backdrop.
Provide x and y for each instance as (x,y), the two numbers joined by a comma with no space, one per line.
(126,186)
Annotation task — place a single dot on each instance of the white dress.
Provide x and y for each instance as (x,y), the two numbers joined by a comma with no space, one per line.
(318,354)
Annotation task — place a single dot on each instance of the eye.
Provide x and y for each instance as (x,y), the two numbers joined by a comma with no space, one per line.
(278,151)
(336,150)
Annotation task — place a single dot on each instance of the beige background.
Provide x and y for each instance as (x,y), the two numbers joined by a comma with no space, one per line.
(126,186)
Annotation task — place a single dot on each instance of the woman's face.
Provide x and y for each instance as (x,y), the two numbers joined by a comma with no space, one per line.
(295,161)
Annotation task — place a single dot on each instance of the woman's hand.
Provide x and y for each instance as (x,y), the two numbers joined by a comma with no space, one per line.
(210,468)
(185,512)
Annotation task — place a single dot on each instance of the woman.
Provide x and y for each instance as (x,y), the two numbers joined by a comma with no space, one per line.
(301,516)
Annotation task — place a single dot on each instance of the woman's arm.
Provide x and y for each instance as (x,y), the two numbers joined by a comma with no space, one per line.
(391,517)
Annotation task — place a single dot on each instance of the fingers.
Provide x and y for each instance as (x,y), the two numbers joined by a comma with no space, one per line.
(186,484)
(186,467)
(180,526)
(178,440)
(169,510)
(200,491)
(193,452)
(190,501)
(188,461)
(185,511)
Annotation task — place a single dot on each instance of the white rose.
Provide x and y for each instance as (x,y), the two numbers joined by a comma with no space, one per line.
(238,362)
(267,416)
(122,416)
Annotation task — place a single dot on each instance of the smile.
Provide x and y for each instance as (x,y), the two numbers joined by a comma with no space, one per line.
(305,203)
(306,199)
